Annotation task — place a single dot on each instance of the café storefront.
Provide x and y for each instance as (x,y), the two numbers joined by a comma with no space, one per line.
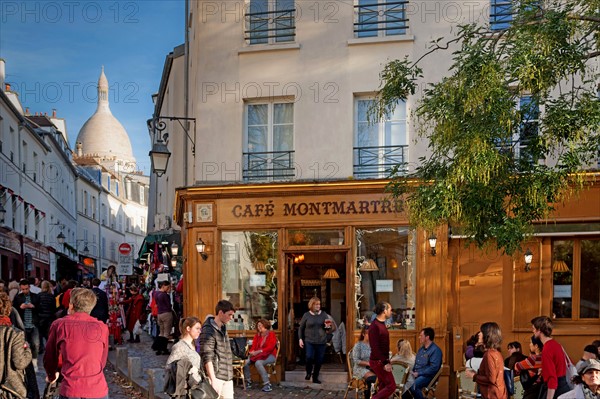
(269,248)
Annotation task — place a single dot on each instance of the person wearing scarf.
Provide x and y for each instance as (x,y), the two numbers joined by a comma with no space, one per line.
(15,354)
(587,381)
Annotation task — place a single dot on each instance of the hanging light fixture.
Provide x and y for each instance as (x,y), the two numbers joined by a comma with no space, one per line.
(369,265)
(394,263)
(560,266)
(174,249)
(331,274)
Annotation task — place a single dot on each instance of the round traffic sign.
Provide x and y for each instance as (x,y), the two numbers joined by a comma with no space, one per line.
(124,249)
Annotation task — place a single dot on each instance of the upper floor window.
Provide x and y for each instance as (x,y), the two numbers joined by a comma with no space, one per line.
(379,146)
(269,147)
(380,18)
(522,143)
(269,21)
(576,278)
(500,14)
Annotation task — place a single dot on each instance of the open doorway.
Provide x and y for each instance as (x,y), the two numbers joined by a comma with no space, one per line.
(320,274)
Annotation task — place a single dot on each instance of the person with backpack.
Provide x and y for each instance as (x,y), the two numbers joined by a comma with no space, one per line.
(554,360)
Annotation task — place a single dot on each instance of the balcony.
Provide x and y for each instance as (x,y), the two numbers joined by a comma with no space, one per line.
(270,26)
(268,166)
(376,162)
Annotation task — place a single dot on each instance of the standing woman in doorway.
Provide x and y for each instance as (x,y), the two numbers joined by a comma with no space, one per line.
(314,327)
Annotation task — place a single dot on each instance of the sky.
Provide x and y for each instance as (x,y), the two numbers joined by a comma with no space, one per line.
(54,52)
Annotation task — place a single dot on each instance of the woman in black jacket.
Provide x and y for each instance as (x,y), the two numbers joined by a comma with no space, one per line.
(46,312)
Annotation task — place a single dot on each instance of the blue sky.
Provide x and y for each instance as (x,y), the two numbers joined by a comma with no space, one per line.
(54,51)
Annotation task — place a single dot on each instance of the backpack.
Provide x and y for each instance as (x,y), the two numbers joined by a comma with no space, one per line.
(509,381)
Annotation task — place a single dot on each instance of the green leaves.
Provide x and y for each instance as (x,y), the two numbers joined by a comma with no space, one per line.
(496,164)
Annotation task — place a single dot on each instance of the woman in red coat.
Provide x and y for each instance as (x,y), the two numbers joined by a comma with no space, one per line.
(136,307)
(490,376)
(262,352)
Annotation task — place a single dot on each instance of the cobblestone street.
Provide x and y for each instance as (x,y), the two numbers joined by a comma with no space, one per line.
(121,388)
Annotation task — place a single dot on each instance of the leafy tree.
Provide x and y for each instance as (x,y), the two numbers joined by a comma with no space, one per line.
(476,175)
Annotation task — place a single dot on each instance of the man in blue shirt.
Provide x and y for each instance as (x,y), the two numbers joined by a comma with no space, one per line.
(427,363)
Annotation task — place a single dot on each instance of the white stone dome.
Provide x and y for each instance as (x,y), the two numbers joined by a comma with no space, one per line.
(103,135)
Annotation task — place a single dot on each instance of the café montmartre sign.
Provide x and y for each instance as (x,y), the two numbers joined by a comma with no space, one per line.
(309,208)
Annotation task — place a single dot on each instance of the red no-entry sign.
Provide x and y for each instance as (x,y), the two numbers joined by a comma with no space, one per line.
(124,249)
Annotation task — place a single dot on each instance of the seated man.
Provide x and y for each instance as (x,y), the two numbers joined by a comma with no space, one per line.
(427,362)
(262,352)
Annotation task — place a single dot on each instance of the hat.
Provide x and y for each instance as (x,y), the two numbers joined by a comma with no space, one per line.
(588,365)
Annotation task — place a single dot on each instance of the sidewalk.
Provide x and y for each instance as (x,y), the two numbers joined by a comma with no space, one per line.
(149,360)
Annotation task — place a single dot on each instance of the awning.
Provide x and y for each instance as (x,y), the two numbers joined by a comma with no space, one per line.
(169,236)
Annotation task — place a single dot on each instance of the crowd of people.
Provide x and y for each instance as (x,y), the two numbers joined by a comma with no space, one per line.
(35,310)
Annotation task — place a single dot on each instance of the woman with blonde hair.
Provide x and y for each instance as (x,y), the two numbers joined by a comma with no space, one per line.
(314,327)
(405,354)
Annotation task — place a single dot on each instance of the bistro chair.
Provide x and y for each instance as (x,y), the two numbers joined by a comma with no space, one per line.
(519,391)
(467,388)
(238,367)
(401,371)
(358,384)
(429,390)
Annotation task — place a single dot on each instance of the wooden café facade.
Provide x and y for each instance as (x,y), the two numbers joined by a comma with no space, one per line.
(269,248)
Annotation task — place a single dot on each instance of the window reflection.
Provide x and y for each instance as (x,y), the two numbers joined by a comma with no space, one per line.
(386,272)
(249,276)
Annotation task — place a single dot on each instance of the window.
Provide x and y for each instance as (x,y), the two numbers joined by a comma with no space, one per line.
(386,272)
(500,14)
(523,143)
(142,197)
(269,141)
(249,276)
(576,278)
(380,18)
(380,146)
(35,165)
(270,21)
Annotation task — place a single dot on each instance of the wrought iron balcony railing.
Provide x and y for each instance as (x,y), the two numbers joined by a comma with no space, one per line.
(387,17)
(275,165)
(501,14)
(270,26)
(376,162)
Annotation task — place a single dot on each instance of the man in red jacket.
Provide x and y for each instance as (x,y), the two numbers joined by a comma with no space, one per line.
(81,341)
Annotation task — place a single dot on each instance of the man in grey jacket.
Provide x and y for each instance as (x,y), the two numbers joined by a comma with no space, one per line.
(216,351)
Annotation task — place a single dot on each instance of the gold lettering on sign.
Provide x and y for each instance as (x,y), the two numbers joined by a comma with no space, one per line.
(269,209)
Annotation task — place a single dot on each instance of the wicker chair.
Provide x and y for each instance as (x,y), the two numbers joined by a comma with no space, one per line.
(358,384)
(401,371)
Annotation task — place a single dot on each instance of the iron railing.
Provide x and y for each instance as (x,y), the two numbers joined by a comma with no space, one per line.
(269,26)
(376,162)
(501,14)
(275,165)
(388,17)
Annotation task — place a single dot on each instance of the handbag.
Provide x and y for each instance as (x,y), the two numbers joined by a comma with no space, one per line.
(571,370)
(238,347)
(202,389)
(527,380)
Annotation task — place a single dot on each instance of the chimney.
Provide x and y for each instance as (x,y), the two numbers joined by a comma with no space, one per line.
(2,72)
(45,114)
(7,85)
(27,111)
(54,112)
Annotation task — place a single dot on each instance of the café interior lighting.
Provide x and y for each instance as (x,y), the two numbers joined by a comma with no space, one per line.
(174,249)
(560,266)
(369,265)
(331,274)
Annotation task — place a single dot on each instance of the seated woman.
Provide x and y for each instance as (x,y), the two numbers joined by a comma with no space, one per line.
(533,365)
(360,361)
(406,355)
(587,382)
(185,348)
(263,351)
(472,344)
